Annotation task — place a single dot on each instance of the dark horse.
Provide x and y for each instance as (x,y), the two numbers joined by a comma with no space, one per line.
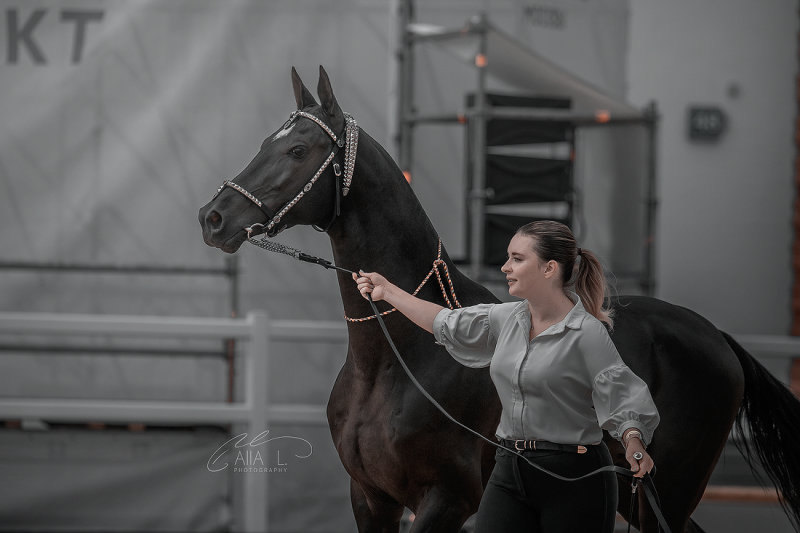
(398,449)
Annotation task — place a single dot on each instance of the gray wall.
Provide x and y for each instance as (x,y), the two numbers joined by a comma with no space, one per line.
(724,225)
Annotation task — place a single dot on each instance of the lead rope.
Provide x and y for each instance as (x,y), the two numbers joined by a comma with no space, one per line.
(646,481)
(437,263)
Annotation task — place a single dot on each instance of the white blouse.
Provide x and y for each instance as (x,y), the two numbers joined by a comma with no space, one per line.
(563,386)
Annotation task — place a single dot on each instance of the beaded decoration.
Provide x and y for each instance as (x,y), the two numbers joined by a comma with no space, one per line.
(438,262)
(349,141)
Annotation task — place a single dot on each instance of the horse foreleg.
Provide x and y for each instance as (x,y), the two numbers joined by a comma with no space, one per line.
(374,514)
(441,511)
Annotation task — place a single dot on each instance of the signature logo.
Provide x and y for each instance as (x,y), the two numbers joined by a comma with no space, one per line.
(249,457)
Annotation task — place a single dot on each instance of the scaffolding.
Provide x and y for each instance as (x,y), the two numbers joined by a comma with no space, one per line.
(491,52)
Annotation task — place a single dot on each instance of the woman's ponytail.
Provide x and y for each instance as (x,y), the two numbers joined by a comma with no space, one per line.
(590,284)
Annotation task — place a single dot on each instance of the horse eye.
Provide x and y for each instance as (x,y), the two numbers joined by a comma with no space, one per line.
(298,152)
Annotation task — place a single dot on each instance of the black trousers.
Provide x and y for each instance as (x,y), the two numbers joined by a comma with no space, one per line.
(520,498)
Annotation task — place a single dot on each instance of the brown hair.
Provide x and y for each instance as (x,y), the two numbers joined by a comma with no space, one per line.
(553,241)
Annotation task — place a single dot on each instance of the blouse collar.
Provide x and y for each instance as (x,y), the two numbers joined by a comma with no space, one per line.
(573,319)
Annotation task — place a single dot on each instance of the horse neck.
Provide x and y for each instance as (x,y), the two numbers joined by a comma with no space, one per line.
(382,228)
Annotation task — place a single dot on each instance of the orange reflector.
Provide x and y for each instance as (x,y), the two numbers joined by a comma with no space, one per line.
(481,61)
(601,115)
(407,175)
(462,119)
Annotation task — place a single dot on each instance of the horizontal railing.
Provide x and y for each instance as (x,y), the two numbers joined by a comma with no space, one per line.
(253,411)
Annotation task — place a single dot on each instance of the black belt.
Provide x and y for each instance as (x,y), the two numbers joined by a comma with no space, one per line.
(523,445)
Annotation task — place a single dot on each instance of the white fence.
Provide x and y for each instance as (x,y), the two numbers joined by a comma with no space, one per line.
(256,329)
(767,346)
(254,411)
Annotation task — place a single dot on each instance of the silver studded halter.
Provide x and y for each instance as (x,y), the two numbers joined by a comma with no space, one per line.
(349,140)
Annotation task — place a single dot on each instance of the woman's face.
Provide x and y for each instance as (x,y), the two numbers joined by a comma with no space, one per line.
(524,270)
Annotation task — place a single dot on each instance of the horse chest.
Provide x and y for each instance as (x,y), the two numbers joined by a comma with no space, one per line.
(367,424)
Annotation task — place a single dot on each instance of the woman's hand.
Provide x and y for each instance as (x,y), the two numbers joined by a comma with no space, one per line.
(640,466)
(371,283)
(420,312)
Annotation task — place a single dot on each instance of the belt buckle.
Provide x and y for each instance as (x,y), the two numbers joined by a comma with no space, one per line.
(516,445)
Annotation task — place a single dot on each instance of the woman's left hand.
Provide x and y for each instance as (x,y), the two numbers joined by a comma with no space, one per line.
(641,466)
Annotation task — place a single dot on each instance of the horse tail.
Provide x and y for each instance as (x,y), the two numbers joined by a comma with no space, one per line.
(771,414)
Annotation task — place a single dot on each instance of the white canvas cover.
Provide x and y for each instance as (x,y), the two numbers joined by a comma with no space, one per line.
(514,63)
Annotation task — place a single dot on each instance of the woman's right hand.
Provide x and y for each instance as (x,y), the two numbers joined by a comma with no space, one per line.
(371,283)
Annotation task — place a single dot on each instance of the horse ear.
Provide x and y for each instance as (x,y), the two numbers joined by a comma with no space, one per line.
(302,95)
(328,101)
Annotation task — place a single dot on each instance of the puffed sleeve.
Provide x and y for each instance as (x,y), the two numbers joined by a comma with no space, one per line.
(621,399)
(467,334)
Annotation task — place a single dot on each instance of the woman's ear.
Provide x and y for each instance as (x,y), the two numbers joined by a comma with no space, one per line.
(550,269)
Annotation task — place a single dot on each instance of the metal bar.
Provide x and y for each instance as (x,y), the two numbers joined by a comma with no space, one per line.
(113,269)
(434,118)
(156,413)
(311,415)
(177,413)
(394,109)
(523,113)
(232,273)
(229,345)
(307,330)
(648,283)
(51,349)
(566,115)
(86,324)
(405,141)
(774,346)
(478,154)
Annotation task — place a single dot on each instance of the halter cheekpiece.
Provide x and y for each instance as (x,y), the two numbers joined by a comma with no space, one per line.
(348,140)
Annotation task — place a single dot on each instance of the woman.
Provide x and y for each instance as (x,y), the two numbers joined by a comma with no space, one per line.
(559,378)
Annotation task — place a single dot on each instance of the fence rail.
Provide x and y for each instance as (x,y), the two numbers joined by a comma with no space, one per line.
(256,329)
(254,411)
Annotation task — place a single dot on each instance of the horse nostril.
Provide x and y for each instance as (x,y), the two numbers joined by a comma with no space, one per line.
(214,220)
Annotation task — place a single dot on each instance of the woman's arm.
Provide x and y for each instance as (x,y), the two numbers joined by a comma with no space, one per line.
(419,311)
(622,400)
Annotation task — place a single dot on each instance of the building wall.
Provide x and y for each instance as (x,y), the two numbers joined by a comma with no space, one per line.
(725,218)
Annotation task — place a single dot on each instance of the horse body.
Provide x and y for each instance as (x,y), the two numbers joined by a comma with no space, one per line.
(697,384)
(397,448)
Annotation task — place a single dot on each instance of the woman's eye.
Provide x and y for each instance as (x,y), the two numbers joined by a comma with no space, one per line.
(298,152)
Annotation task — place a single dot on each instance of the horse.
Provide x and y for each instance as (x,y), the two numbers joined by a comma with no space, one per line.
(398,450)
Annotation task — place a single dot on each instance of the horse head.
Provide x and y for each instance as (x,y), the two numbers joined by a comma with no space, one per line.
(292,178)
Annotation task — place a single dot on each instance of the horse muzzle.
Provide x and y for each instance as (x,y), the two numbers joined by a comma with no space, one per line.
(218,231)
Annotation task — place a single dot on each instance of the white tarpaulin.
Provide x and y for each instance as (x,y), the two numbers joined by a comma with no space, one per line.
(510,61)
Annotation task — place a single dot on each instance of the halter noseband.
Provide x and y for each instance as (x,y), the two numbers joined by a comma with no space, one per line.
(349,139)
